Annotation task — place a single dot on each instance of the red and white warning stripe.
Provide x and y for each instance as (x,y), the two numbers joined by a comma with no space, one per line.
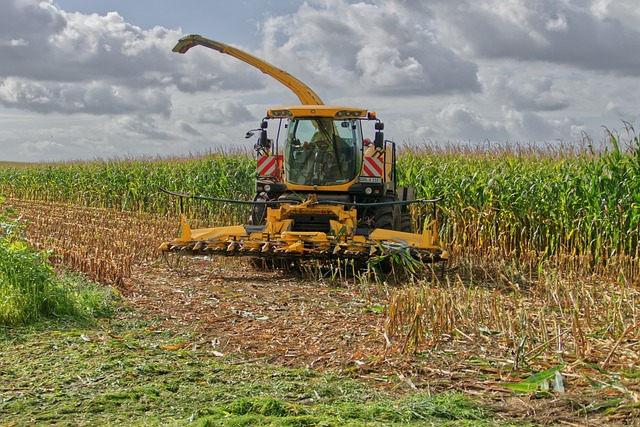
(372,166)
(267,165)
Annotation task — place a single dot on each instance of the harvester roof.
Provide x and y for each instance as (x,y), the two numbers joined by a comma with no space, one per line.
(328,111)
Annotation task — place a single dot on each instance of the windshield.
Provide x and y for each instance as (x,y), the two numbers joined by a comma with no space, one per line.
(323,151)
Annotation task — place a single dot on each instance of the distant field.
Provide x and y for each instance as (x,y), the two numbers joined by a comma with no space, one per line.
(15,164)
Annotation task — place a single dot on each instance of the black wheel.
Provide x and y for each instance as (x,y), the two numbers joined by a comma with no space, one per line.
(259,212)
(383,218)
(387,216)
(258,216)
(406,224)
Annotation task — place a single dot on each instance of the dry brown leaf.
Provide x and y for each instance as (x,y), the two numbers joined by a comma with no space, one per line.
(178,346)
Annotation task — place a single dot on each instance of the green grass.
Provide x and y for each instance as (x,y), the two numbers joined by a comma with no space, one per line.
(116,373)
(30,289)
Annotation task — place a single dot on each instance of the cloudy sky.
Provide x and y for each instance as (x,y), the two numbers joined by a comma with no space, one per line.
(97,79)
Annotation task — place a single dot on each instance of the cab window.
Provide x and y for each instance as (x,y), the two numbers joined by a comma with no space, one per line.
(323,151)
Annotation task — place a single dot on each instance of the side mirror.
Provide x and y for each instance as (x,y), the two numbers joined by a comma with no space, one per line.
(378,141)
(264,141)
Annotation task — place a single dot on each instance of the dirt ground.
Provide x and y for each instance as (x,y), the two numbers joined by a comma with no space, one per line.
(262,315)
(271,317)
(254,316)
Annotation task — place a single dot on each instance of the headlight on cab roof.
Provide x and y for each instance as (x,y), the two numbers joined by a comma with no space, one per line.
(279,114)
(350,113)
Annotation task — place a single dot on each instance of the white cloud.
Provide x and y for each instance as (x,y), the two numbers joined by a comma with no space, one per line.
(142,126)
(72,62)
(96,97)
(467,124)
(527,92)
(40,147)
(187,128)
(79,85)
(553,31)
(378,48)
(230,112)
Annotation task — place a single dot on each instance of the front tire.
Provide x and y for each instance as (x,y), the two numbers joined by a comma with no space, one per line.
(258,214)
(406,224)
(387,216)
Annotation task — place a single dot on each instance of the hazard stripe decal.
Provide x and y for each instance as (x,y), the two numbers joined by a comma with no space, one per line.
(267,166)
(372,166)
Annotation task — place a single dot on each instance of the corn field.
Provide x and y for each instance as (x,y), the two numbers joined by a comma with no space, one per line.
(566,206)
(132,185)
(555,205)
(544,241)
(102,244)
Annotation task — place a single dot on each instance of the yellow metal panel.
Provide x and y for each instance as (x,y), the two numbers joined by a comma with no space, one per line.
(218,233)
(185,228)
(311,236)
(359,239)
(329,111)
(420,241)
(430,234)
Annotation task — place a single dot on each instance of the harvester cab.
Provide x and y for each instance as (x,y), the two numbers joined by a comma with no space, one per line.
(323,152)
(323,191)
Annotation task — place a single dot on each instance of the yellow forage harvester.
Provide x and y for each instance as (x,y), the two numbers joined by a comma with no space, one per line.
(322,190)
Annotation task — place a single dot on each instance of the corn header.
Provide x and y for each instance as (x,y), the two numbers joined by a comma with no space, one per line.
(323,191)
